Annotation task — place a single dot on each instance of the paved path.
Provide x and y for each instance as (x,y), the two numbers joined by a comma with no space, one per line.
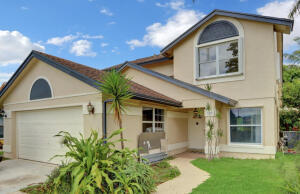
(189,178)
(17,174)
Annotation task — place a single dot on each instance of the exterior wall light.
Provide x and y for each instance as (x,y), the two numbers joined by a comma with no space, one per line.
(90,108)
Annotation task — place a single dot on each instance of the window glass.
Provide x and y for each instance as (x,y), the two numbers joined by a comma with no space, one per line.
(147,114)
(245,116)
(150,123)
(228,57)
(207,69)
(147,127)
(219,59)
(245,134)
(159,115)
(207,54)
(245,125)
(159,127)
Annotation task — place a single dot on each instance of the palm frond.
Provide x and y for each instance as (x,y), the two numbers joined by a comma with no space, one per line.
(295,10)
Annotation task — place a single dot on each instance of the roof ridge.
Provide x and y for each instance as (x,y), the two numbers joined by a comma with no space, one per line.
(46,54)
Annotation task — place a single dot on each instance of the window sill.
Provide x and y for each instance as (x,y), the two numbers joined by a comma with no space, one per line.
(246,145)
(218,76)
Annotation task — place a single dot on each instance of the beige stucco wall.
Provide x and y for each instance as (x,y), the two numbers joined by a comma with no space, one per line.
(176,131)
(165,68)
(188,98)
(67,92)
(259,64)
(196,132)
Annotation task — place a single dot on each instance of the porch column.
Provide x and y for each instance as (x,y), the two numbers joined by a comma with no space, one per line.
(211,128)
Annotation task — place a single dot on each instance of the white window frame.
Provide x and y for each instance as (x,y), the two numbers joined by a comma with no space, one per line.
(216,43)
(247,143)
(153,119)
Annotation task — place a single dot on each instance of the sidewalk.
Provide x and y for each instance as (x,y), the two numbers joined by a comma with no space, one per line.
(189,178)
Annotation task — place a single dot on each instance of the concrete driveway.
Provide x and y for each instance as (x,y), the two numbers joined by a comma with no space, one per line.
(17,174)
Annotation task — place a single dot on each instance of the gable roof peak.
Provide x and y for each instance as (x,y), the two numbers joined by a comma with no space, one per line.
(247,16)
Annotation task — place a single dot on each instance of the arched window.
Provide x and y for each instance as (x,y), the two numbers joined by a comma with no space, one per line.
(218,50)
(40,89)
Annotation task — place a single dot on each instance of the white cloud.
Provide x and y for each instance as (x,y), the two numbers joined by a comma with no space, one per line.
(4,77)
(82,48)
(106,12)
(14,47)
(59,41)
(104,44)
(111,23)
(281,9)
(87,36)
(24,8)
(174,4)
(160,35)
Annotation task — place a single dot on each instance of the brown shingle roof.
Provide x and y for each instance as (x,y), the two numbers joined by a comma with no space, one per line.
(138,90)
(2,86)
(149,59)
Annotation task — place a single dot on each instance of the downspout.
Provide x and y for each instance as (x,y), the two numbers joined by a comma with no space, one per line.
(104,120)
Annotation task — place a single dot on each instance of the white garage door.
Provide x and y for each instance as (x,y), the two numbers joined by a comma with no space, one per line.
(36,130)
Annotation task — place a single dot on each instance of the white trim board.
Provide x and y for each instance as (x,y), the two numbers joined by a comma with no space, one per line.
(251,149)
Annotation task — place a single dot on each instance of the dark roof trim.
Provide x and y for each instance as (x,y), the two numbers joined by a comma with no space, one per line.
(157,100)
(182,84)
(155,61)
(259,18)
(77,75)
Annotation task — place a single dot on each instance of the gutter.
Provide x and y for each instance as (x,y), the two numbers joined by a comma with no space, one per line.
(104,119)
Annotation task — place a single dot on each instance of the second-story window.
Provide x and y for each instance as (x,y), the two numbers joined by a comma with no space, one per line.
(218,50)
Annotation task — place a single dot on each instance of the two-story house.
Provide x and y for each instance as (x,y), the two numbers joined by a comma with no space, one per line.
(226,70)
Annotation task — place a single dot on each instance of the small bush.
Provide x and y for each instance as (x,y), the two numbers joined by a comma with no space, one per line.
(163,164)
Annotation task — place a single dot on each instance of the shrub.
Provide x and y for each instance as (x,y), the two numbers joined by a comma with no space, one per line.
(163,164)
(289,120)
(97,167)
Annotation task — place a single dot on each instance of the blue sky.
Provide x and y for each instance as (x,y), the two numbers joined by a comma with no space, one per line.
(101,33)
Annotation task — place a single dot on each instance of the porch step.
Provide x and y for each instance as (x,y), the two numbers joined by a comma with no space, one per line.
(152,158)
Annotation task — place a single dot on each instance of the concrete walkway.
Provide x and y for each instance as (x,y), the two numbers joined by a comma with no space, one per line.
(189,178)
(17,174)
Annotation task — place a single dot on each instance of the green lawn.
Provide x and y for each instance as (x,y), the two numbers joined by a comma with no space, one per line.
(230,175)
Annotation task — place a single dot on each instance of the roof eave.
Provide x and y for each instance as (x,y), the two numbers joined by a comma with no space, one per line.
(182,84)
(267,19)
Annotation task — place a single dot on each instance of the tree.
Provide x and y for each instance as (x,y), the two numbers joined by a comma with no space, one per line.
(291,86)
(295,56)
(116,86)
(295,10)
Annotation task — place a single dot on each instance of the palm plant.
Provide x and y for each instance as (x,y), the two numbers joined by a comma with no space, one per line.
(295,10)
(295,56)
(116,86)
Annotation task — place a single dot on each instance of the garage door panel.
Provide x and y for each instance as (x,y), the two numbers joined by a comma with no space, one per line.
(36,131)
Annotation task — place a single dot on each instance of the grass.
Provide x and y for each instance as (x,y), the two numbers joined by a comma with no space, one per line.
(164,171)
(230,175)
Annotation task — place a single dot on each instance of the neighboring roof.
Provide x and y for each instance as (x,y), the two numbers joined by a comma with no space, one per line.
(143,61)
(259,18)
(182,84)
(91,76)
(2,86)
